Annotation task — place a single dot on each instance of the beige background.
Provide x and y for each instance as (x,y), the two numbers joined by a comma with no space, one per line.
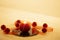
(49,7)
(40,11)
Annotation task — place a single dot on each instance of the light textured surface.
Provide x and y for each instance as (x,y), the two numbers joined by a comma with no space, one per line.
(8,16)
(48,7)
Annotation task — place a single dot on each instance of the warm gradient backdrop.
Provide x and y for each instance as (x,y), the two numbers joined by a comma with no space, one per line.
(48,7)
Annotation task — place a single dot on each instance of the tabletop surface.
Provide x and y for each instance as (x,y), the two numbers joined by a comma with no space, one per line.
(8,16)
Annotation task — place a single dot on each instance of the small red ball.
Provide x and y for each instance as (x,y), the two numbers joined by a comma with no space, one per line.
(3,27)
(18,21)
(44,30)
(45,25)
(6,31)
(17,24)
(34,24)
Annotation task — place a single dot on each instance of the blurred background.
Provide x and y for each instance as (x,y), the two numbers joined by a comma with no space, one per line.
(41,11)
(46,7)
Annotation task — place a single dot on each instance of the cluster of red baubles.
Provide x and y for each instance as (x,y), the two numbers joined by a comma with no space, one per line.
(6,30)
(24,27)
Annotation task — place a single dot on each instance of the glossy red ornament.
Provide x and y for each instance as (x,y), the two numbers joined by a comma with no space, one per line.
(6,31)
(34,24)
(44,30)
(25,27)
(3,27)
(45,25)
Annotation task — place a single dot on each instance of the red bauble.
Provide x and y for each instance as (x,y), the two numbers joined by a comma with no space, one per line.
(7,30)
(3,27)
(25,27)
(45,25)
(17,24)
(18,21)
(34,24)
(44,30)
